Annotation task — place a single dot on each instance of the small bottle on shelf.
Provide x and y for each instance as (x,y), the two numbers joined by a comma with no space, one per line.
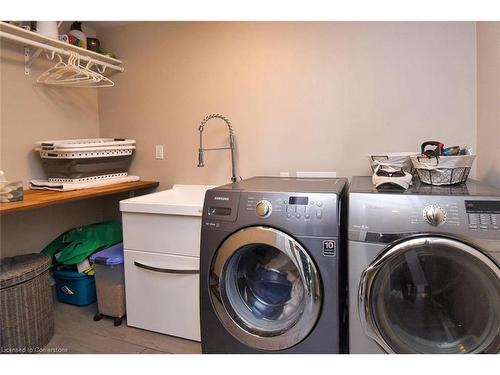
(76,31)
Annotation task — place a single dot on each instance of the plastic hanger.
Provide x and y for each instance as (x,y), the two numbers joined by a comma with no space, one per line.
(56,68)
(98,79)
(73,74)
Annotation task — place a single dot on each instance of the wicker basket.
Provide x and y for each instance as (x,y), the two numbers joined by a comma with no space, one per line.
(443,170)
(26,304)
(393,160)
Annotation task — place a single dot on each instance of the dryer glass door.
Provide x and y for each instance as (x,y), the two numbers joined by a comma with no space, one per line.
(265,288)
(431,294)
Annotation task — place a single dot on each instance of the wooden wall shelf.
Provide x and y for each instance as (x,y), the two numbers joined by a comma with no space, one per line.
(43,198)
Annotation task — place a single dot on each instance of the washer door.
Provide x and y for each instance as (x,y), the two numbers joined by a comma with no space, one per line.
(432,294)
(265,288)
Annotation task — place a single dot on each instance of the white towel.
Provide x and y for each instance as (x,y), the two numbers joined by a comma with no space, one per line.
(68,186)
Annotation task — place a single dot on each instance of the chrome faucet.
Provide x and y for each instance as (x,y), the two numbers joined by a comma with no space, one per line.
(201,150)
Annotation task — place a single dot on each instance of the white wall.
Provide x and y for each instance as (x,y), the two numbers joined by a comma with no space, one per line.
(488,102)
(301,96)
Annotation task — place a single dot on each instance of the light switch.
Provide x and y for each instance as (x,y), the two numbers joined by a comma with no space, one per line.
(159,152)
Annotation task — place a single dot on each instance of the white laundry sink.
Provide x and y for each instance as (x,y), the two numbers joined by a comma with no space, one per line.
(180,200)
(161,240)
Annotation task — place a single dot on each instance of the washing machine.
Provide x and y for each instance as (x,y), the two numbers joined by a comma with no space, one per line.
(424,268)
(271,277)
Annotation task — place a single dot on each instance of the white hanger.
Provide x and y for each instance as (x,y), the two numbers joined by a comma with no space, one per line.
(73,74)
(99,79)
(94,79)
(60,65)
(59,74)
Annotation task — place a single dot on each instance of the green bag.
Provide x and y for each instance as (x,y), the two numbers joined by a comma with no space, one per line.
(78,244)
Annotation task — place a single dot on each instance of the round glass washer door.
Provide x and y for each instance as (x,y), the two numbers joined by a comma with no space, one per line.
(432,294)
(265,288)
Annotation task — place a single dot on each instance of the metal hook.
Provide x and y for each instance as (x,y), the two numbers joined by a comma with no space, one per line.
(50,54)
(101,71)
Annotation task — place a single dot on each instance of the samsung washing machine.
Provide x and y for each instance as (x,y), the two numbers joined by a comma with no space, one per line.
(424,269)
(271,277)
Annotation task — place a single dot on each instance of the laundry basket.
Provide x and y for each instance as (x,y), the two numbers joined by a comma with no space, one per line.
(26,304)
(443,170)
(84,160)
(395,160)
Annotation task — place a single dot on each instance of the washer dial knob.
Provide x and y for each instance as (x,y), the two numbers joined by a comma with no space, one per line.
(434,215)
(263,208)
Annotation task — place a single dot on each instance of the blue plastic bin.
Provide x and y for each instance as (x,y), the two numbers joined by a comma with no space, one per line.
(75,288)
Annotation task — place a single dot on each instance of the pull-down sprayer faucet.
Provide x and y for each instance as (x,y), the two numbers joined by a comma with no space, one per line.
(201,150)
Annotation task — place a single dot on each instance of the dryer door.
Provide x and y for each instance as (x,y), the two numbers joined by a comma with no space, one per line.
(432,294)
(265,288)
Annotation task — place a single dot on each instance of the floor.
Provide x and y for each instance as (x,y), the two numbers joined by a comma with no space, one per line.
(76,332)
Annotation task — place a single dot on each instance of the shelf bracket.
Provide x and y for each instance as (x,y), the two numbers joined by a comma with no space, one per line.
(29,60)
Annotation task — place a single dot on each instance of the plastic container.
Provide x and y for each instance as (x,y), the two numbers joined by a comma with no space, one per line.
(65,144)
(76,31)
(110,283)
(83,160)
(74,288)
(86,170)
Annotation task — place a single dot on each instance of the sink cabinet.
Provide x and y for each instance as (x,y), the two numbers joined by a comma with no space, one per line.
(161,238)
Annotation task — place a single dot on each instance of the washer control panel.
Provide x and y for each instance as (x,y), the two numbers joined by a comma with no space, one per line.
(301,213)
(483,215)
(292,207)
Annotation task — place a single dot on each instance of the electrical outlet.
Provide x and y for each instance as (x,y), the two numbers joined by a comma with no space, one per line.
(159,152)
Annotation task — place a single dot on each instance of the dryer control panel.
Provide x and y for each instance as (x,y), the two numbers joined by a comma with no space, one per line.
(384,216)
(470,210)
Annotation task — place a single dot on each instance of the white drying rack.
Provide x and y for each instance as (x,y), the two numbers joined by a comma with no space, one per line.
(43,43)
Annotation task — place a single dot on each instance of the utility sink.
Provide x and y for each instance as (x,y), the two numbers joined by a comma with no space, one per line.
(161,241)
(180,200)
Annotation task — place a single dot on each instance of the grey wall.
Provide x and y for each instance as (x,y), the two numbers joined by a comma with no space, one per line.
(302,96)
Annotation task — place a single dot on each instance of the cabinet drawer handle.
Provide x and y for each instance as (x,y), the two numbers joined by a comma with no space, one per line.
(165,270)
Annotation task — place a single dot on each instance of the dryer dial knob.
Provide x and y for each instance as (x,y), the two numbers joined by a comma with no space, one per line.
(434,215)
(263,208)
